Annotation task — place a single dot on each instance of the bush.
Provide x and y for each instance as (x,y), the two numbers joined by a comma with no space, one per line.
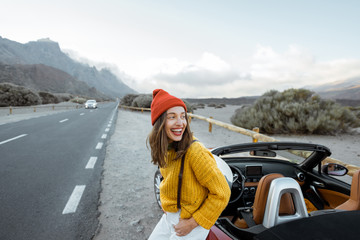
(79,100)
(189,106)
(63,97)
(220,105)
(211,105)
(13,95)
(142,101)
(47,98)
(199,105)
(356,111)
(128,99)
(296,111)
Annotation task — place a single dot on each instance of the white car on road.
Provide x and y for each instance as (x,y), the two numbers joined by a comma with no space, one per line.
(91,104)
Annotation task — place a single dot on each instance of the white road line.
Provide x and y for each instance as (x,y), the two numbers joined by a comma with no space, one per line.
(74,199)
(99,145)
(109,125)
(104,136)
(64,120)
(14,138)
(107,129)
(91,162)
(82,114)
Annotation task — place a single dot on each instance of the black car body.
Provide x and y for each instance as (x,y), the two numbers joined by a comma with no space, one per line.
(314,191)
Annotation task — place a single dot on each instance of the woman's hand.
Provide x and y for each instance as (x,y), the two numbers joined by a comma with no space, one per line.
(185,226)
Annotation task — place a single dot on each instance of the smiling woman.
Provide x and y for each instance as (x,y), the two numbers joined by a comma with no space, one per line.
(192,208)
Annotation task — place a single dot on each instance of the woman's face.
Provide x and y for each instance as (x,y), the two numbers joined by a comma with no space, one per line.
(175,123)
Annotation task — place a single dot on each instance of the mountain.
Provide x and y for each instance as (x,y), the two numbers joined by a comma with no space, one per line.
(40,77)
(344,89)
(48,53)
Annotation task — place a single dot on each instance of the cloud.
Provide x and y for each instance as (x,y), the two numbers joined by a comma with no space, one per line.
(212,76)
(209,70)
(291,67)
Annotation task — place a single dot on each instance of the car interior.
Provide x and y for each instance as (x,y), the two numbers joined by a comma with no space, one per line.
(267,190)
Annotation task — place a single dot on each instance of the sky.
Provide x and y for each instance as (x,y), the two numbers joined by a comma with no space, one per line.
(199,48)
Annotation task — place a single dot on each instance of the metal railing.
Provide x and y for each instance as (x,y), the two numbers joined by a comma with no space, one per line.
(12,110)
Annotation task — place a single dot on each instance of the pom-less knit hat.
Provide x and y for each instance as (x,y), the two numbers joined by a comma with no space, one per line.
(161,102)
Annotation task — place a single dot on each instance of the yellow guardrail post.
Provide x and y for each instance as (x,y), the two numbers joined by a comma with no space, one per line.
(256,129)
(210,125)
(34,109)
(53,107)
(10,109)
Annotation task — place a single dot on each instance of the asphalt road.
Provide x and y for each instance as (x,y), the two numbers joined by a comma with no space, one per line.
(50,173)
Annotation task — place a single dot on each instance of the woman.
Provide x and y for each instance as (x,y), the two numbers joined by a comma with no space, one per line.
(203,190)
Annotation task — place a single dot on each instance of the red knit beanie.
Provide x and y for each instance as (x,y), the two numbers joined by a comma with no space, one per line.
(161,102)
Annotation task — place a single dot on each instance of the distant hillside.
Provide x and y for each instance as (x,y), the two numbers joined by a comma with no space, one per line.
(40,77)
(48,53)
(345,89)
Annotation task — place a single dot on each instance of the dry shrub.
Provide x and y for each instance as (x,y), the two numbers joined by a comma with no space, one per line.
(295,111)
(47,98)
(142,101)
(128,99)
(13,95)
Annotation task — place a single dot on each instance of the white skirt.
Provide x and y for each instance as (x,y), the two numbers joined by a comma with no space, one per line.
(164,230)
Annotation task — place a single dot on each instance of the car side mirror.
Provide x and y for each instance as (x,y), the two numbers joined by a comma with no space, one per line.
(334,169)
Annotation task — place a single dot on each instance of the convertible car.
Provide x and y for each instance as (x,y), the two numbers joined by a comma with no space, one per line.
(283,190)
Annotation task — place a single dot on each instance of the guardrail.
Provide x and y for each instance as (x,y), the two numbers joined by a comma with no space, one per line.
(12,110)
(254,134)
(35,108)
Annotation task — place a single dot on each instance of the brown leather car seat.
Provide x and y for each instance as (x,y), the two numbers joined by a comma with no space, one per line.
(286,203)
(353,203)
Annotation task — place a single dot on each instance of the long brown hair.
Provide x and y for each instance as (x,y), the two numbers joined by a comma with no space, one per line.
(159,142)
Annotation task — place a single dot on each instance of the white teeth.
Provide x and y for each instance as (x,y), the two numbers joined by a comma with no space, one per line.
(176,130)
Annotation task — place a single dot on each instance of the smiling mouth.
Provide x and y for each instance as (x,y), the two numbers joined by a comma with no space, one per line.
(177,132)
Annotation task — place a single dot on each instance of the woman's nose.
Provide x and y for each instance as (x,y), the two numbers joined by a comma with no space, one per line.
(178,121)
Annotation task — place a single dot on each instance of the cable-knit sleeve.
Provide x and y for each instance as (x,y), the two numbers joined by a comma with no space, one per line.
(210,177)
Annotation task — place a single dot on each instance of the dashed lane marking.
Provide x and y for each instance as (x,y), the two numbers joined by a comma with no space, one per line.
(107,129)
(91,163)
(104,136)
(64,120)
(74,199)
(14,138)
(99,145)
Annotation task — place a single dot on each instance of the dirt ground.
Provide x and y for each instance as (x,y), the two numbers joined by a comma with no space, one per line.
(127,203)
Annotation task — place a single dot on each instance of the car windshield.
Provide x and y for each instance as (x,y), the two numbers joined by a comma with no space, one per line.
(294,156)
(91,101)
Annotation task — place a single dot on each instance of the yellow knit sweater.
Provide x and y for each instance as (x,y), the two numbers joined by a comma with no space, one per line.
(204,193)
